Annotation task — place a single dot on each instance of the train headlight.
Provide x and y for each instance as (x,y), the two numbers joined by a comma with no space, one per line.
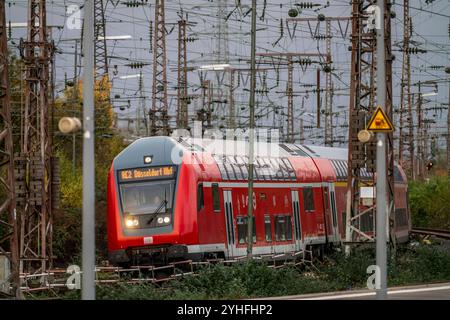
(131,222)
(148,159)
(164,220)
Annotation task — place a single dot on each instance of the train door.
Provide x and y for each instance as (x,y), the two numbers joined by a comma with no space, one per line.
(229,222)
(334,218)
(297,221)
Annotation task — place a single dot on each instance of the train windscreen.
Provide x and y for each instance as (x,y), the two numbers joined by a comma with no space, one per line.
(147,197)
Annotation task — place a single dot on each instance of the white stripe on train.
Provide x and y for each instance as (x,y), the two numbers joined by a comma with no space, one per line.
(275,249)
(281,184)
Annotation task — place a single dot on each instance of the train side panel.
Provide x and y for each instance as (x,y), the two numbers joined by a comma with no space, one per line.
(209,214)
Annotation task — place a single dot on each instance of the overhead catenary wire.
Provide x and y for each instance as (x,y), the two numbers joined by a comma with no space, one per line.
(203,14)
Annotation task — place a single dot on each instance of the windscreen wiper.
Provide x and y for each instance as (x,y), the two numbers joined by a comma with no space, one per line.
(158,211)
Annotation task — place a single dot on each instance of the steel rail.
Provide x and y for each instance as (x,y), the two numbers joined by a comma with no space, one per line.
(57,278)
(432,232)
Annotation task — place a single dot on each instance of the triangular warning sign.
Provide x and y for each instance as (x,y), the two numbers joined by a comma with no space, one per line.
(380,122)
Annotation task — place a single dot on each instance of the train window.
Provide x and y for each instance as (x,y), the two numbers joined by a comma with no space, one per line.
(326,199)
(333,208)
(283,228)
(366,222)
(308,199)
(401,217)
(200,197)
(344,219)
(216,197)
(146,197)
(288,228)
(397,175)
(268,228)
(242,229)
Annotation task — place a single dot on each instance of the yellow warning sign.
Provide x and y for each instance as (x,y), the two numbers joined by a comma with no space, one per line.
(380,122)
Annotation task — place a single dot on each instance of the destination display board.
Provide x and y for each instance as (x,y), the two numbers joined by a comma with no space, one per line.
(153,173)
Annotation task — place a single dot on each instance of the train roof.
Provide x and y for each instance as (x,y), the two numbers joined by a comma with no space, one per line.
(271,159)
(331,153)
(234,154)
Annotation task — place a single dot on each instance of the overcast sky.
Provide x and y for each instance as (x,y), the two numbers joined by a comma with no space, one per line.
(430,32)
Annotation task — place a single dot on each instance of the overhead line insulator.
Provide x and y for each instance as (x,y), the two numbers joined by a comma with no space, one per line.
(307,5)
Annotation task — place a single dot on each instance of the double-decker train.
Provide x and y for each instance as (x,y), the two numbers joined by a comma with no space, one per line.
(174,198)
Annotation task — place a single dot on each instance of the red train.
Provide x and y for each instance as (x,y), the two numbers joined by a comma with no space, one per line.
(176,199)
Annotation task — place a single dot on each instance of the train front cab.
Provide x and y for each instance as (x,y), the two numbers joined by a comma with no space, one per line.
(148,195)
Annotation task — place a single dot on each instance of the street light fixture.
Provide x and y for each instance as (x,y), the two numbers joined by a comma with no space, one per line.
(214,67)
(430,94)
(130,76)
(124,37)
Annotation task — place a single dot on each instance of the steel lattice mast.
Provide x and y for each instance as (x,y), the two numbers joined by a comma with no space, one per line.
(362,95)
(8,218)
(362,102)
(222,47)
(231,101)
(390,113)
(289,92)
(159,118)
(207,95)
(100,48)
(34,163)
(222,56)
(328,89)
(406,99)
(182,112)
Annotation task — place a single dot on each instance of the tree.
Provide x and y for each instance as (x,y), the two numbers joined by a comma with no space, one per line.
(108,143)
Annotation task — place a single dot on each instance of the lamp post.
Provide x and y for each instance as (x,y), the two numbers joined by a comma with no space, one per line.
(88,217)
(381,187)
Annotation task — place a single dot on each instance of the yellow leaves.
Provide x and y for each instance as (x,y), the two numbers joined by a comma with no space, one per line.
(71,103)
(102,89)
(71,183)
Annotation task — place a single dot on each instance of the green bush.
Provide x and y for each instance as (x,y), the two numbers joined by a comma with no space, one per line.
(348,272)
(430,203)
(247,280)
(423,264)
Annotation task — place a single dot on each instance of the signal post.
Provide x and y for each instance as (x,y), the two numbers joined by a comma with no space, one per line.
(381,124)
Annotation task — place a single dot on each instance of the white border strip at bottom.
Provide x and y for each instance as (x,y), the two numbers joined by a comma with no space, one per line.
(365,294)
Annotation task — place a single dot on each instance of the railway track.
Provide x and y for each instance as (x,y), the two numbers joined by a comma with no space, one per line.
(66,279)
(445,234)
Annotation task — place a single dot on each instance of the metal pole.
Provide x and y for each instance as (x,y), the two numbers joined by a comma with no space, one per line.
(318,98)
(232,113)
(419,135)
(382,206)
(290,123)
(252,135)
(448,132)
(411,139)
(74,103)
(88,241)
